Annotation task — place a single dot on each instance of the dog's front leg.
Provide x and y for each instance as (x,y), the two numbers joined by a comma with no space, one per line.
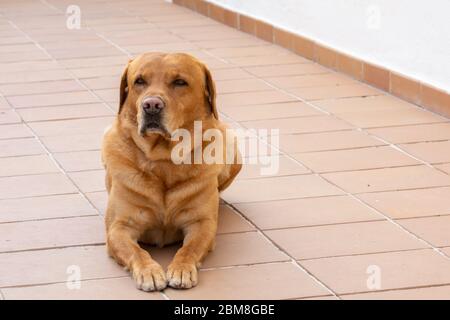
(124,248)
(199,240)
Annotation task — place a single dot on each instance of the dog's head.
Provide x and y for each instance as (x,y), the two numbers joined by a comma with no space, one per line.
(162,92)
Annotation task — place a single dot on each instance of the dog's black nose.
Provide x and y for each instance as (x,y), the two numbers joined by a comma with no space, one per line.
(152,105)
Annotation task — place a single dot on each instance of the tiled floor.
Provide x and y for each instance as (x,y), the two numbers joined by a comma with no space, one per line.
(360,207)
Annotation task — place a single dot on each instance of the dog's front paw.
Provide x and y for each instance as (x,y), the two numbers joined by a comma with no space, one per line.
(149,277)
(182,275)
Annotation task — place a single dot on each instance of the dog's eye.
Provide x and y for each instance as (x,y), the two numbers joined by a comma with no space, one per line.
(179,83)
(139,81)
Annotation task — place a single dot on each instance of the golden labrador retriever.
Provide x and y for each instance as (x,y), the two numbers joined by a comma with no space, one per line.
(152,199)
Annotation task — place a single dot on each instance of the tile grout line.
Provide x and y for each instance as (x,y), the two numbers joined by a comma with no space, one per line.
(58,282)
(48,218)
(68,246)
(396,289)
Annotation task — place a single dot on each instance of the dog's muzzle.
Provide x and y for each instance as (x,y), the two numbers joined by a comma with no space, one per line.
(153,109)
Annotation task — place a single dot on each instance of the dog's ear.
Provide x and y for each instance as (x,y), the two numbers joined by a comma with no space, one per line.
(123,87)
(210,92)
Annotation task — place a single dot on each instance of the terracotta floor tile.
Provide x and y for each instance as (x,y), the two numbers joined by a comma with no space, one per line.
(14,39)
(230,221)
(232,249)
(415,133)
(108,95)
(271,166)
(278,188)
(33,76)
(11,131)
(230,74)
(247,51)
(242,249)
(444,167)
(89,181)
(286,70)
(435,230)
(216,64)
(375,118)
(50,266)
(218,29)
(45,234)
(230,43)
(343,239)
(4,105)
(79,161)
(431,152)
(20,147)
(53,99)
(355,159)
(380,103)
(270,111)
(95,62)
(21,56)
(315,80)
(268,60)
(30,66)
(73,142)
(244,85)
(59,206)
(299,125)
(253,98)
(284,279)
(349,274)
(295,143)
(102,83)
(91,72)
(102,289)
(35,185)
(84,52)
(428,293)
(65,112)
(306,212)
(24,165)
(29,47)
(410,203)
(18,89)
(9,116)
(334,92)
(71,127)
(212,34)
(99,199)
(389,179)
(52,45)
(320,298)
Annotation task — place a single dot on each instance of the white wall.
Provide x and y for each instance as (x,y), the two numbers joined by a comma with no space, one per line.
(411,37)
